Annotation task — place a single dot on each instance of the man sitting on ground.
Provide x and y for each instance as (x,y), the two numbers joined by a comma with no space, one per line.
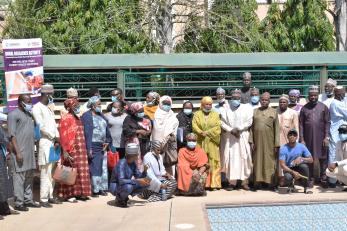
(126,179)
(293,159)
(338,169)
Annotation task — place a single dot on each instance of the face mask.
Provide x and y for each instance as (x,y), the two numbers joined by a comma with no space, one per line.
(166,108)
(150,103)
(235,103)
(343,137)
(115,110)
(76,110)
(191,144)
(98,109)
(255,99)
(140,114)
(187,111)
(50,100)
(114,99)
(27,107)
(206,110)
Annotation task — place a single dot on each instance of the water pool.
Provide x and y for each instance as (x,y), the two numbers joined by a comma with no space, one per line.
(289,217)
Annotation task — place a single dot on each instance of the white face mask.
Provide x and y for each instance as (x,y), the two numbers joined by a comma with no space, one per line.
(187,111)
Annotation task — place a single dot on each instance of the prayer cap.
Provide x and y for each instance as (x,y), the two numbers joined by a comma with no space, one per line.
(71,92)
(293,132)
(313,89)
(247,74)
(92,101)
(339,87)
(285,97)
(132,149)
(236,91)
(332,82)
(294,92)
(155,144)
(47,89)
(343,128)
(220,90)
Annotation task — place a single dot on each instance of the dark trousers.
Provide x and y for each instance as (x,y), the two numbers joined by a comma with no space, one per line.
(4,208)
(123,191)
(303,169)
(323,164)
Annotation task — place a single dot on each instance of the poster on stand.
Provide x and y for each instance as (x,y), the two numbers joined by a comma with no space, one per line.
(23,66)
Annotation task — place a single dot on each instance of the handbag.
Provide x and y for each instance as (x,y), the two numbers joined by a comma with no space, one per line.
(65,174)
(112,159)
(170,152)
(54,154)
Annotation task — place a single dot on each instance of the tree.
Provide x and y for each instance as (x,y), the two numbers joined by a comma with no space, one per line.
(233,27)
(340,21)
(307,26)
(80,27)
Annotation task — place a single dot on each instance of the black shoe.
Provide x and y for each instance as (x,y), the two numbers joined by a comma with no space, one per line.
(95,194)
(1,217)
(32,205)
(82,198)
(332,185)
(55,201)
(103,193)
(229,188)
(21,208)
(46,205)
(121,204)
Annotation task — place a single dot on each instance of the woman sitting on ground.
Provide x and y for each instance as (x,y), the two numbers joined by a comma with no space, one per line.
(192,168)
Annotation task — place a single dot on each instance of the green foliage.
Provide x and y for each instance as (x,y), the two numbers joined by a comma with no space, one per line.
(80,27)
(233,27)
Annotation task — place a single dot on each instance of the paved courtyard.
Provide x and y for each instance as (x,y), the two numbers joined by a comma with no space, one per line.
(180,213)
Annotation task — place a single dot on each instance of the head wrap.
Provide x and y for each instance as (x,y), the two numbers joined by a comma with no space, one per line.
(313,89)
(236,91)
(285,97)
(164,98)
(132,149)
(247,74)
(155,95)
(135,107)
(205,100)
(47,89)
(332,82)
(220,91)
(193,135)
(92,101)
(254,89)
(155,144)
(71,103)
(71,92)
(294,92)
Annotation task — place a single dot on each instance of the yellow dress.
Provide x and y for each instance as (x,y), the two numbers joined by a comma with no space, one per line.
(210,144)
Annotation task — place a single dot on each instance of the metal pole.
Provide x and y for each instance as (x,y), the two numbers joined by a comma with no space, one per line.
(323,77)
(121,81)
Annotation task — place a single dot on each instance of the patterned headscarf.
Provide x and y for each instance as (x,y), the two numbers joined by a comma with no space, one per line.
(191,135)
(220,91)
(285,97)
(70,104)
(155,144)
(92,101)
(135,107)
(155,95)
(294,92)
(205,100)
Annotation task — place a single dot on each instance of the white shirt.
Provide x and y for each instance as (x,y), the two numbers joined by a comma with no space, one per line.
(324,99)
(156,170)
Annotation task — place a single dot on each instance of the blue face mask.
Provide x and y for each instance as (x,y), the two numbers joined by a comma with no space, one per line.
(187,111)
(115,110)
(191,144)
(235,102)
(50,100)
(206,110)
(98,109)
(343,137)
(166,108)
(77,110)
(255,99)
(140,114)
(114,99)
(27,107)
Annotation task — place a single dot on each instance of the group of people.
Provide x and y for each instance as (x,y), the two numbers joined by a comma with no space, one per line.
(238,142)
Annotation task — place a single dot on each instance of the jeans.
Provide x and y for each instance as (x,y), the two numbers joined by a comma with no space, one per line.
(303,169)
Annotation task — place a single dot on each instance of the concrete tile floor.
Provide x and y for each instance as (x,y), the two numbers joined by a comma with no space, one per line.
(180,213)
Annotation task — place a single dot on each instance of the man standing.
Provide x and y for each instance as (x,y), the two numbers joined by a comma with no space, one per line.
(293,160)
(338,115)
(314,128)
(254,98)
(222,103)
(236,158)
(21,132)
(49,142)
(264,140)
(288,119)
(294,98)
(246,89)
(328,96)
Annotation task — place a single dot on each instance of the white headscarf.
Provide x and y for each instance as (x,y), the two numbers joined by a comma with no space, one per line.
(164,123)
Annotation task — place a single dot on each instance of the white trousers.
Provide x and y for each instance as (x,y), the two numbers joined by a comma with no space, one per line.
(46,182)
(339,173)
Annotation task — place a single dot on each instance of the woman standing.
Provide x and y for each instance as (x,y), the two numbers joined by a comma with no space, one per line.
(165,126)
(137,129)
(151,106)
(98,138)
(206,124)
(185,118)
(74,148)
(115,120)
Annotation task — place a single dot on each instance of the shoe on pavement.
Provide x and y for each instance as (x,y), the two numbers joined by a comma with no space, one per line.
(32,205)
(21,208)
(54,201)
(46,205)
(103,193)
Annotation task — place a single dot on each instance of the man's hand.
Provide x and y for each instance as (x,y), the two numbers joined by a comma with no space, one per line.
(90,154)
(326,142)
(332,167)
(163,186)
(296,175)
(143,181)
(19,158)
(297,161)
(67,156)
